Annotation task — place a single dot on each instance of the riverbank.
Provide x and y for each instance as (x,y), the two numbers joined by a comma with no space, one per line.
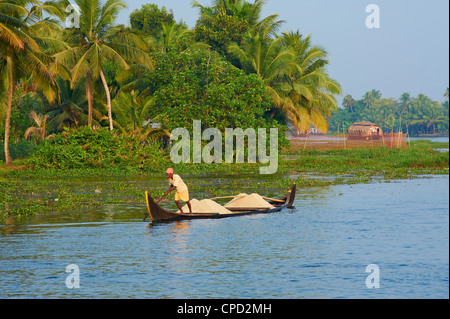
(24,191)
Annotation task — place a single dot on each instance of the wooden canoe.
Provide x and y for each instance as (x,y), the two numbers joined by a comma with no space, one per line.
(158,213)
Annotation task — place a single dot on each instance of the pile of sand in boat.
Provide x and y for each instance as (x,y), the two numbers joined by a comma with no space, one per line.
(243,201)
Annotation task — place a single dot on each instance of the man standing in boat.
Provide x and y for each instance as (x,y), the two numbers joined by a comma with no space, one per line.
(182,192)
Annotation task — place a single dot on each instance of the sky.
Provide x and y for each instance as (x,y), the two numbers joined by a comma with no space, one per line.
(409,52)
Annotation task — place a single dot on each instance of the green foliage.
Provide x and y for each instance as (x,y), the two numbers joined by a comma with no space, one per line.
(149,19)
(71,108)
(294,72)
(19,150)
(86,148)
(219,31)
(24,103)
(96,41)
(227,21)
(201,85)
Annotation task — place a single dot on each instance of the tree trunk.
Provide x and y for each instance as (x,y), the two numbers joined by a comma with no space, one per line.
(89,98)
(108,99)
(8,109)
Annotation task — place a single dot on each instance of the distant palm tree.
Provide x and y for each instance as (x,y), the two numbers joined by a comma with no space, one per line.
(169,35)
(22,31)
(371,97)
(98,40)
(405,103)
(419,116)
(348,102)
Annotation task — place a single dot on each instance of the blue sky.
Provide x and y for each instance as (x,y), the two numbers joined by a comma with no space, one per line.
(408,53)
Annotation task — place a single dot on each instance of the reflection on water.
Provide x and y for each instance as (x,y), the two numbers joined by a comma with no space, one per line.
(178,247)
(320,249)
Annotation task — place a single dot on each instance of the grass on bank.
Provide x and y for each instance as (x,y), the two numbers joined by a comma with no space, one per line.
(25,190)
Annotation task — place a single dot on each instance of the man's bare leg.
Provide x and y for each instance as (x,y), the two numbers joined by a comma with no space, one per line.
(179,206)
(189,205)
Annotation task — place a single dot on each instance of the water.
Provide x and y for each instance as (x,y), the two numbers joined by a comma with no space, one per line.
(320,249)
(443,139)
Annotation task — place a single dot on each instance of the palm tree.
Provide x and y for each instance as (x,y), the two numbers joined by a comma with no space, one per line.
(38,131)
(420,117)
(405,103)
(348,103)
(434,115)
(404,108)
(132,112)
(292,70)
(370,102)
(228,21)
(371,97)
(98,40)
(22,30)
(240,9)
(69,110)
(311,90)
(267,58)
(170,34)
(294,74)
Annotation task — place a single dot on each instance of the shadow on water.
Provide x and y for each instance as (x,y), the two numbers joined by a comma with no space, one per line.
(93,216)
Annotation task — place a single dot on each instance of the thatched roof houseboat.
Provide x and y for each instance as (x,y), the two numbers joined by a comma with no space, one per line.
(364,131)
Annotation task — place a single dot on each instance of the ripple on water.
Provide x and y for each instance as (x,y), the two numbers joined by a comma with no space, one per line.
(318,250)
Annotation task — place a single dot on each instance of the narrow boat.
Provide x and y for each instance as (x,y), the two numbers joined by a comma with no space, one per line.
(157,213)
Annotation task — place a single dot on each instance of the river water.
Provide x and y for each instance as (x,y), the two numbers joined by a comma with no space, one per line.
(320,249)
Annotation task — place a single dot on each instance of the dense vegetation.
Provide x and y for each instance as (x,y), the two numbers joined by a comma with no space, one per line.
(60,69)
(415,116)
(96,149)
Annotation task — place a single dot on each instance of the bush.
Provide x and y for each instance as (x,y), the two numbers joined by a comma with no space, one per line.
(19,150)
(101,148)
